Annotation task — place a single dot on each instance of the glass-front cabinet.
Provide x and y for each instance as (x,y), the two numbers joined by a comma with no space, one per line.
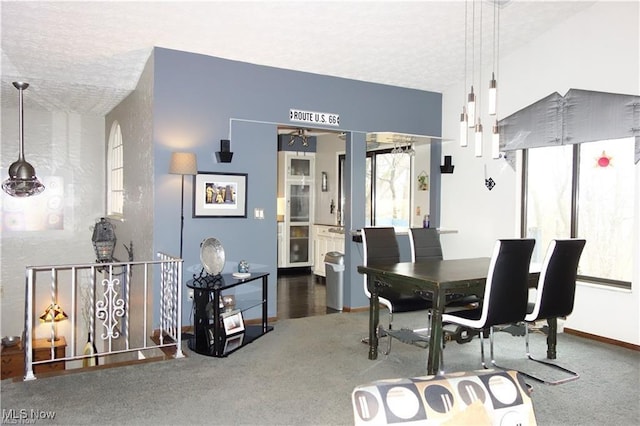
(295,186)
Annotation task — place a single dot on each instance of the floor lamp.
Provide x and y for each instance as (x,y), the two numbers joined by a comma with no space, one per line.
(183,163)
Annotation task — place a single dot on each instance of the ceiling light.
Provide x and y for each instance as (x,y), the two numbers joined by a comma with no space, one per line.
(22,181)
(495,141)
(493,84)
(478,139)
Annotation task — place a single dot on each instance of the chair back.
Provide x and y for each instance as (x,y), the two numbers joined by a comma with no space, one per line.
(557,283)
(380,246)
(425,244)
(506,290)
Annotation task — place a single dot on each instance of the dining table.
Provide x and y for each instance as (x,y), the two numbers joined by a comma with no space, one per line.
(434,280)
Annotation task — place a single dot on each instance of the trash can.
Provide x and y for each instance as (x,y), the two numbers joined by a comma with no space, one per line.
(334,273)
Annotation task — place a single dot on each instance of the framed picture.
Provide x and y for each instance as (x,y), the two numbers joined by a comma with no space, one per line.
(233,322)
(220,194)
(232,343)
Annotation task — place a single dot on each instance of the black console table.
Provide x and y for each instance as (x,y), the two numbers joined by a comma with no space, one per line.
(209,333)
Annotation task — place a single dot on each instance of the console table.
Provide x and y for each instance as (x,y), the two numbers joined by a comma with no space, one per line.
(209,332)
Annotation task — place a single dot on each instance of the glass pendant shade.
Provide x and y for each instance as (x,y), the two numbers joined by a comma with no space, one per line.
(22,181)
(495,142)
(471,108)
(493,95)
(478,139)
(464,127)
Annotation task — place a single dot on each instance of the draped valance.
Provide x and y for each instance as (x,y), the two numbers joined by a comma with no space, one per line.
(579,116)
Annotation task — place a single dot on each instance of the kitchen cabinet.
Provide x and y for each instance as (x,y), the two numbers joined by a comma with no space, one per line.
(325,239)
(296,173)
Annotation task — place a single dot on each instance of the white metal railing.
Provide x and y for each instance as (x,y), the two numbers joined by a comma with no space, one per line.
(110,303)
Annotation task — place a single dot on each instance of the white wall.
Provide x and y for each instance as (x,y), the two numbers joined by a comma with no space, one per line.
(67,146)
(327,150)
(598,49)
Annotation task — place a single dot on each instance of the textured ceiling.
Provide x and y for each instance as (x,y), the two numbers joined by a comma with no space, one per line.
(86,56)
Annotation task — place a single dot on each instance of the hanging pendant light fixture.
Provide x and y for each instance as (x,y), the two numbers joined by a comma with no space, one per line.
(493,84)
(22,181)
(471,98)
(478,127)
(464,119)
(495,141)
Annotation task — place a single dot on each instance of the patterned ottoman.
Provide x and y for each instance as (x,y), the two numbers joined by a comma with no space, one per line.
(484,397)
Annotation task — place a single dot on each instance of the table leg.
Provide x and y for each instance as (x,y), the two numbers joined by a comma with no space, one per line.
(374,319)
(552,337)
(436,339)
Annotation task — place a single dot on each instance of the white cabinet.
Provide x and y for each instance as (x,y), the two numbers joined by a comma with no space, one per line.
(296,185)
(325,239)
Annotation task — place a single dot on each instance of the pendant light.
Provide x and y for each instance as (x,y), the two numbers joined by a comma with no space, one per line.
(478,127)
(471,98)
(493,84)
(495,141)
(22,181)
(493,92)
(464,119)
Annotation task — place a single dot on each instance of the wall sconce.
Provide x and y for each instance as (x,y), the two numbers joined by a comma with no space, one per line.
(224,155)
(54,314)
(447,167)
(104,241)
(325,183)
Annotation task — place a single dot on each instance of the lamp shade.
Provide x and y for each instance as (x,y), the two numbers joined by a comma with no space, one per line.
(53,313)
(183,163)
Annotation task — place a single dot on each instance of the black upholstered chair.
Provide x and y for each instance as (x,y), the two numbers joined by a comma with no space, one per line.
(555,293)
(425,245)
(381,247)
(505,294)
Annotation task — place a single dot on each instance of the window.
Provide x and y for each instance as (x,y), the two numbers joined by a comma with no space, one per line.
(387,188)
(584,191)
(115,177)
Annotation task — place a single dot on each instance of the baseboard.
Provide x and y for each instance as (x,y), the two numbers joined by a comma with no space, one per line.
(602,339)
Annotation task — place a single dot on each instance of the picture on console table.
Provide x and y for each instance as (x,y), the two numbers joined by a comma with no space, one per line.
(233,322)
(220,195)
(233,342)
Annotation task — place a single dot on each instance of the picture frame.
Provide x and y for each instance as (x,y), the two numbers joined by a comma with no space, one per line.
(233,342)
(220,195)
(233,322)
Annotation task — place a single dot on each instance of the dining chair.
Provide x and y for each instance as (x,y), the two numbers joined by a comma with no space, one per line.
(425,245)
(380,246)
(505,293)
(555,294)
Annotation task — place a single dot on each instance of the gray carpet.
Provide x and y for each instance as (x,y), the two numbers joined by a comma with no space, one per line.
(303,373)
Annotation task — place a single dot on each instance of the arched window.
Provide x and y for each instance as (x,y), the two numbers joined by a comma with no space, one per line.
(115,174)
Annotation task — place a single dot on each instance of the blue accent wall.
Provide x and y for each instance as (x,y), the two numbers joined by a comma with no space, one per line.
(198,100)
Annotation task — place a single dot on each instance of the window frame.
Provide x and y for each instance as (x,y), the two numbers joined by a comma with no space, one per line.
(574,210)
(115,163)
(371,154)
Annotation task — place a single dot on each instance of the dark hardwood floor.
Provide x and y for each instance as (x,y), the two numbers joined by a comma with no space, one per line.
(301,294)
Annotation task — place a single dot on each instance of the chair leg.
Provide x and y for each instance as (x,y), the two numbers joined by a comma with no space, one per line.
(389,338)
(573,375)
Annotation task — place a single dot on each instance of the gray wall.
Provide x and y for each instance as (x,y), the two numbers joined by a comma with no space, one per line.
(199,100)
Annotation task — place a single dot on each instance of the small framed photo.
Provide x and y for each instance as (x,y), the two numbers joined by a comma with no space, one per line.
(233,322)
(220,195)
(232,343)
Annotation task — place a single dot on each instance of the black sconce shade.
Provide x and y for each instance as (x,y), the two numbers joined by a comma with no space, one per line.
(224,155)
(447,167)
